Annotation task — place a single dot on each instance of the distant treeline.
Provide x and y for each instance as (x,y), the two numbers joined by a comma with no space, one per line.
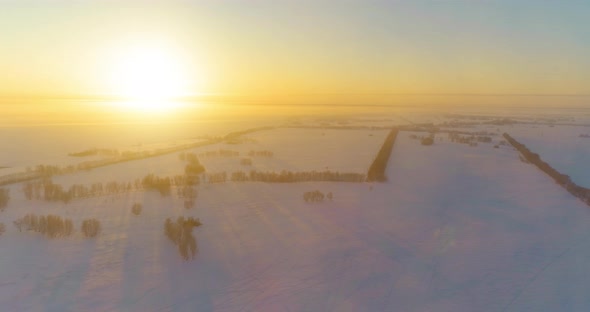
(470,140)
(44,171)
(47,190)
(559,178)
(377,169)
(302,176)
(53,226)
(96,151)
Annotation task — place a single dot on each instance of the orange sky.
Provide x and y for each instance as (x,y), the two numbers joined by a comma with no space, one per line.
(282,48)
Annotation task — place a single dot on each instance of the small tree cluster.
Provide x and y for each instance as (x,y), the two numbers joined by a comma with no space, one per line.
(136,209)
(162,185)
(90,227)
(4,198)
(427,140)
(313,196)
(194,166)
(50,225)
(180,234)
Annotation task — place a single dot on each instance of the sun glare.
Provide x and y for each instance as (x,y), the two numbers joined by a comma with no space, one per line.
(149,79)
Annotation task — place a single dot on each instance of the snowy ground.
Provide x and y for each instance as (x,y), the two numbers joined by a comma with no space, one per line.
(456,228)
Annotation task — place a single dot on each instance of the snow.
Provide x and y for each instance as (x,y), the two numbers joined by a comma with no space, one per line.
(455,228)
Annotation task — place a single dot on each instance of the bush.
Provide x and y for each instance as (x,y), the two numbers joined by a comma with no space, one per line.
(136,209)
(314,196)
(50,225)
(90,227)
(180,234)
(427,141)
(4,198)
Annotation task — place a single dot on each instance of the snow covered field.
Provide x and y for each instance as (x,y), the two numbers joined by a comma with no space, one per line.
(455,228)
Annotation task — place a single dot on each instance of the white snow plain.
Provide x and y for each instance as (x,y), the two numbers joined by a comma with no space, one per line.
(455,228)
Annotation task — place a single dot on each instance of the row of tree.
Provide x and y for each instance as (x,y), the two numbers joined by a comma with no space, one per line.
(377,170)
(51,225)
(97,152)
(46,189)
(559,178)
(54,226)
(301,176)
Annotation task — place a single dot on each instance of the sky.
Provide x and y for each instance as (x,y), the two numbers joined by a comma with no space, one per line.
(285,48)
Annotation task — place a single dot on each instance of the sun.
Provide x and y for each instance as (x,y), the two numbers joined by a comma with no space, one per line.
(149,79)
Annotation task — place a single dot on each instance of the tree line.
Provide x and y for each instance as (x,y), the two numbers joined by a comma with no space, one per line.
(47,190)
(53,226)
(559,178)
(377,170)
(301,176)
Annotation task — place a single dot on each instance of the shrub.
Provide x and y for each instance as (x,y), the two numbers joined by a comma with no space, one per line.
(90,227)
(313,196)
(136,209)
(180,234)
(427,141)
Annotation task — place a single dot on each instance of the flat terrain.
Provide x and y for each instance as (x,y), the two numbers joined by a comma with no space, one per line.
(455,228)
